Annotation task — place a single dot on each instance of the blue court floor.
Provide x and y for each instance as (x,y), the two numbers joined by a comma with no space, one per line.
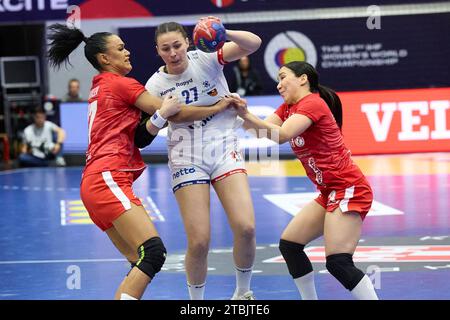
(49,248)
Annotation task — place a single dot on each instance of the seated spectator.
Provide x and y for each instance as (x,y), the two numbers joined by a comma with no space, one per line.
(246,81)
(73,94)
(40,147)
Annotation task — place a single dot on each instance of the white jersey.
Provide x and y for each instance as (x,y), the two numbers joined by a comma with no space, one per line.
(40,140)
(201,84)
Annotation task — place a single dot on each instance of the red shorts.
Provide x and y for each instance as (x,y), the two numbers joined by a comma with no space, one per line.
(356,198)
(106,195)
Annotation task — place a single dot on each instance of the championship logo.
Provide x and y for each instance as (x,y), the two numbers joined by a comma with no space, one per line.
(286,47)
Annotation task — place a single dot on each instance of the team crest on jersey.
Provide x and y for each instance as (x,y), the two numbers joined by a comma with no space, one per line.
(206,84)
(213,92)
(299,141)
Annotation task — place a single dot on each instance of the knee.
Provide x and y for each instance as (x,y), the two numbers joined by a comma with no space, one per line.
(152,255)
(296,259)
(341,267)
(247,232)
(199,247)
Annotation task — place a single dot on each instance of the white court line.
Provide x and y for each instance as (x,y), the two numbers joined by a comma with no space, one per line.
(14,171)
(60,261)
(155,209)
(63,212)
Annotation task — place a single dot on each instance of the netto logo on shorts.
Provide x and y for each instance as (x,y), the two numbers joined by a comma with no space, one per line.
(183,172)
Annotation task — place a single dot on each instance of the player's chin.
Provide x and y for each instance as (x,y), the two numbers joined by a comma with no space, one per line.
(128,67)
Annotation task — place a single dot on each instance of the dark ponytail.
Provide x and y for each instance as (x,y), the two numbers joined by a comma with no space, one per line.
(333,102)
(64,40)
(327,94)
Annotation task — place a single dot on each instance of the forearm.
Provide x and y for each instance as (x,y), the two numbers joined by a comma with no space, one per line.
(60,136)
(24,148)
(264,129)
(151,128)
(247,41)
(192,113)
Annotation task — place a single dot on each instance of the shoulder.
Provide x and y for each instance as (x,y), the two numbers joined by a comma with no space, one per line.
(156,81)
(28,129)
(202,59)
(313,101)
(50,125)
(124,86)
(281,111)
(125,81)
(157,76)
(312,106)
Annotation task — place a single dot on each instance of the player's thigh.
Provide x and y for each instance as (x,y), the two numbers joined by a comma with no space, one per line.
(135,226)
(124,248)
(194,202)
(307,225)
(342,231)
(234,194)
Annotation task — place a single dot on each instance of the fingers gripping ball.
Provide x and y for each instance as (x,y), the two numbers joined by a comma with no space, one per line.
(209,35)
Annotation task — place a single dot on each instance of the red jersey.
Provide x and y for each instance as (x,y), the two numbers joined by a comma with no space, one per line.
(112,122)
(321,148)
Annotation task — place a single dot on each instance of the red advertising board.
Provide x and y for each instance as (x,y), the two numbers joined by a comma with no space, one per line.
(397,121)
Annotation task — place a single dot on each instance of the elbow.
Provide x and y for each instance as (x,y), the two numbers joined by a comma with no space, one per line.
(256,44)
(282,139)
(278,140)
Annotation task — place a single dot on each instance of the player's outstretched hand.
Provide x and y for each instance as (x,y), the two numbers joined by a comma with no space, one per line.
(170,106)
(239,104)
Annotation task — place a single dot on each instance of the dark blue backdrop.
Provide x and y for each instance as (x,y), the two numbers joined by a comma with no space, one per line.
(421,40)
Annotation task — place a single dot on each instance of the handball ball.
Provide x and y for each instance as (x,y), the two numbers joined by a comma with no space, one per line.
(209,35)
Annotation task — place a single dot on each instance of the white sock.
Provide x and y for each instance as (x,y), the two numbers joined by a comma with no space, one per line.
(364,290)
(196,291)
(243,278)
(124,296)
(306,286)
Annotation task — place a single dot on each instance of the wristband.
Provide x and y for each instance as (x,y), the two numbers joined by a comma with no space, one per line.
(157,120)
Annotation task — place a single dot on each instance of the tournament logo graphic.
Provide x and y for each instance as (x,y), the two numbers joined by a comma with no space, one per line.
(286,47)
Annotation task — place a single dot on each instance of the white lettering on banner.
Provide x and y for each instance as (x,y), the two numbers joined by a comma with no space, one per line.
(380,128)
(30,5)
(440,108)
(409,121)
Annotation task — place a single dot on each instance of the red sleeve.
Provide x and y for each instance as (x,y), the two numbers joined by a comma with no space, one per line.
(220,57)
(127,89)
(281,112)
(313,109)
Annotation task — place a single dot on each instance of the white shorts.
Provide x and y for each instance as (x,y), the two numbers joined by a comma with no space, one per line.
(206,162)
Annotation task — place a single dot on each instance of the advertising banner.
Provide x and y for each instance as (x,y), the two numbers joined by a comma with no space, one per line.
(375,122)
(398,121)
